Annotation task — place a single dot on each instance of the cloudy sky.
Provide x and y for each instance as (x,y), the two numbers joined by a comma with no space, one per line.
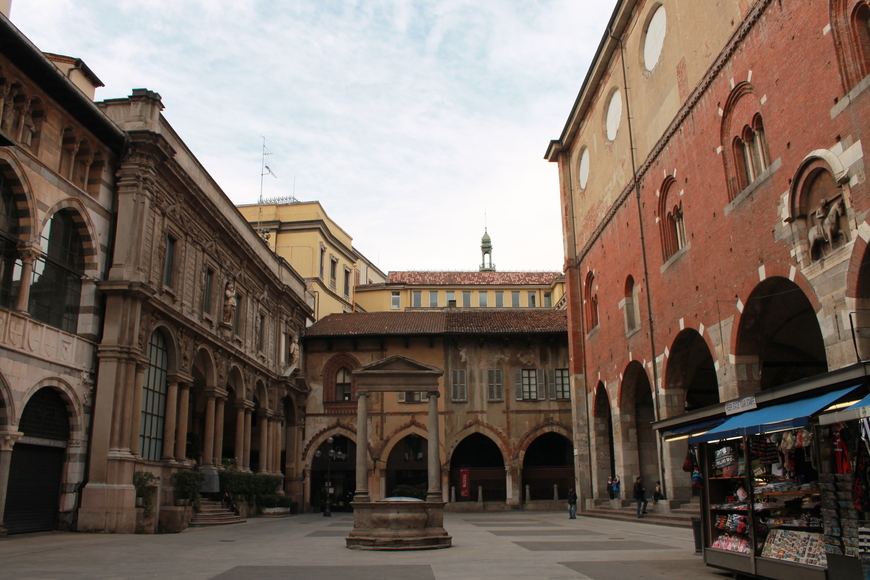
(408,120)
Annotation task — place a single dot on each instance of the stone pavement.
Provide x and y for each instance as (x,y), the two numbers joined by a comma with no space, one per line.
(496,546)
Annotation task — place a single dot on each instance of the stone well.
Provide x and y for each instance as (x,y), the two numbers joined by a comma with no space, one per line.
(398,524)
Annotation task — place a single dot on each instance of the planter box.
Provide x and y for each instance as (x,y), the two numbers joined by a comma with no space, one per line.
(174,519)
(145,524)
(275,511)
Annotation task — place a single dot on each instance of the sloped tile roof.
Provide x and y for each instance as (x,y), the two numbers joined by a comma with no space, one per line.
(473,278)
(441,322)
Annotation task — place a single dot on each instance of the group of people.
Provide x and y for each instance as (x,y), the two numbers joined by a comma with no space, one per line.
(613,484)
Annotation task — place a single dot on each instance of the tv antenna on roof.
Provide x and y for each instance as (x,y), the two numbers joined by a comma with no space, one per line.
(264,171)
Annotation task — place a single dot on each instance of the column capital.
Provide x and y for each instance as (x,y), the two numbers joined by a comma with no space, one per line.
(9,438)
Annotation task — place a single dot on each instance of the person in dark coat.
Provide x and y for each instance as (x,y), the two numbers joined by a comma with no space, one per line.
(572,504)
(640,496)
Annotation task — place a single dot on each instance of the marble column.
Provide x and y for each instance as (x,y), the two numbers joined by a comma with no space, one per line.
(7,442)
(181,422)
(247,452)
(208,443)
(276,454)
(171,419)
(434,493)
(264,442)
(362,447)
(239,448)
(28,256)
(218,451)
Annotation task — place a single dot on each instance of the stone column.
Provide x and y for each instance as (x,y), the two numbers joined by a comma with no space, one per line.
(136,376)
(247,452)
(218,451)
(171,419)
(181,422)
(240,432)
(28,256)
(276,463)
(434,493)
(208,443)
(7,441)
(264,442)
(362,447)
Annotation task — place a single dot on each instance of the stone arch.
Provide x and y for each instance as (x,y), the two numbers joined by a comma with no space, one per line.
(11,170)
(858,293)
(778,337)
(547,461)
(487,431)
(393,439)
(7,403)
(485,461)
(70,398)
(532,434)
(635,435)
(85,226)
(401,467)
(690,373)
(204,365)
(741,110)
(261,392)
(321,436)
(603,451)
(171,343)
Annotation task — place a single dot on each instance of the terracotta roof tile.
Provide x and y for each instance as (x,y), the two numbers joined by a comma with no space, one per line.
(441,322)
(473,278)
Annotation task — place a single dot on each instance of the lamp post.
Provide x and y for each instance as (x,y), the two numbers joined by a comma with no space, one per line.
(331,455)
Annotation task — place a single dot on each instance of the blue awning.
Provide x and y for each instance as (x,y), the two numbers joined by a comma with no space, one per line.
(773,418)
(701,425)
(859,410)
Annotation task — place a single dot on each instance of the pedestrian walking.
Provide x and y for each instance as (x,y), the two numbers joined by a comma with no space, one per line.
(610,487)
(572,504)
(616,484)
(640,496)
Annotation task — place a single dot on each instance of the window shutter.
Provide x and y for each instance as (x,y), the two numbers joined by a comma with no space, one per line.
(542,384)
(499,385)
(490,385)
(402,396)
(518,384)
(551,383)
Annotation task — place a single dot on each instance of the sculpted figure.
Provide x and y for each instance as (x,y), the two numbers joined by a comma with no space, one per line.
(230,301)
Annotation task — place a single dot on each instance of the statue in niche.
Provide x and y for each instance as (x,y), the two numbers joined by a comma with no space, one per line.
(294,351)
(826,228)
(28,130)
(230,301)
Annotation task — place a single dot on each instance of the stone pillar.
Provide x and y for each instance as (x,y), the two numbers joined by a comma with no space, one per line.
(181,422)
(28,256)
(171,419)
(264,442)
(276,446)
(218,451)
(247,451)
(240,433)
(208,443)
(7,441)
(434,493)
(136,376)
(362,446)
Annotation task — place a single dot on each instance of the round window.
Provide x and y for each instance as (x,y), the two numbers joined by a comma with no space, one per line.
(583,168)
(655,38)
(614,114)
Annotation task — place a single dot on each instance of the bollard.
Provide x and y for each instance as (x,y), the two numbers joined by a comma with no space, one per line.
(480,494)
(696,530)
(555,491)
(452,494)
(528,494)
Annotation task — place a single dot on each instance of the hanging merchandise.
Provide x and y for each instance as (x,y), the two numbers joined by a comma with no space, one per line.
(688,464)
(860,485)
(841,452)
(697,478)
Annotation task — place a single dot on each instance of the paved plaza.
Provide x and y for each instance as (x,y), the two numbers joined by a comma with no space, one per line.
(497,546)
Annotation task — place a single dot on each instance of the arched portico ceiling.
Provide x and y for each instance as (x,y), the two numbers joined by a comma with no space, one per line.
(691,369)
(780,332)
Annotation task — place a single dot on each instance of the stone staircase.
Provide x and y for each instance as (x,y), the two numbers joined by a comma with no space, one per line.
(675,513)
(212,513)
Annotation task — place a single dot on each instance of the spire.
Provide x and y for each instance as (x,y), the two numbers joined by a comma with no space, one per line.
(486,253)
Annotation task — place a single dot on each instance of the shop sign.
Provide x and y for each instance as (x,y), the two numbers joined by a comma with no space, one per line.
(463,482)
(740,405)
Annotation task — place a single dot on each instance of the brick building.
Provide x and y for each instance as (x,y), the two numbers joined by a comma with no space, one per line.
(714,204)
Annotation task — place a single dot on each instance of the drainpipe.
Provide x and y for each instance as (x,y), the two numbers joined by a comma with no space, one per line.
(636,182)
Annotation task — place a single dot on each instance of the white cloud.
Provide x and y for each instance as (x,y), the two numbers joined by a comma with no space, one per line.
(407,120)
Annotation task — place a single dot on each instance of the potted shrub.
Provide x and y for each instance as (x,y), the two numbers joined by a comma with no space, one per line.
(146,484)
(187,486)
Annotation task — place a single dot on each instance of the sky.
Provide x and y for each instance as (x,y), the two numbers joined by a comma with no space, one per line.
(416,124)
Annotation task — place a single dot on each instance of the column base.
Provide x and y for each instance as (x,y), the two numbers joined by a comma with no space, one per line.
(107,508)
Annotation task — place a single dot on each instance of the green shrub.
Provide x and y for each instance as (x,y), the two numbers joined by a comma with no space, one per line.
(188,485)
(249,486)
(146,484)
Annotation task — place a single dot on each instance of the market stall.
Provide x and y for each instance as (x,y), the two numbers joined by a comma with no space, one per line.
(773,487)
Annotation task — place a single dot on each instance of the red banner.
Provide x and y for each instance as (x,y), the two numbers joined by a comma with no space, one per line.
(463,482)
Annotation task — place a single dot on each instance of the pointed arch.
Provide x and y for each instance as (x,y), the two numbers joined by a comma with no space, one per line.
(86,230)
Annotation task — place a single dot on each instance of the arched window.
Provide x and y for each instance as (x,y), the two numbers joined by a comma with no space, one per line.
(744,142)
(850,24)
(671,225)
(154,399)
(343,384)
(55,290)
(10,262)
(338,383)
(591,302)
